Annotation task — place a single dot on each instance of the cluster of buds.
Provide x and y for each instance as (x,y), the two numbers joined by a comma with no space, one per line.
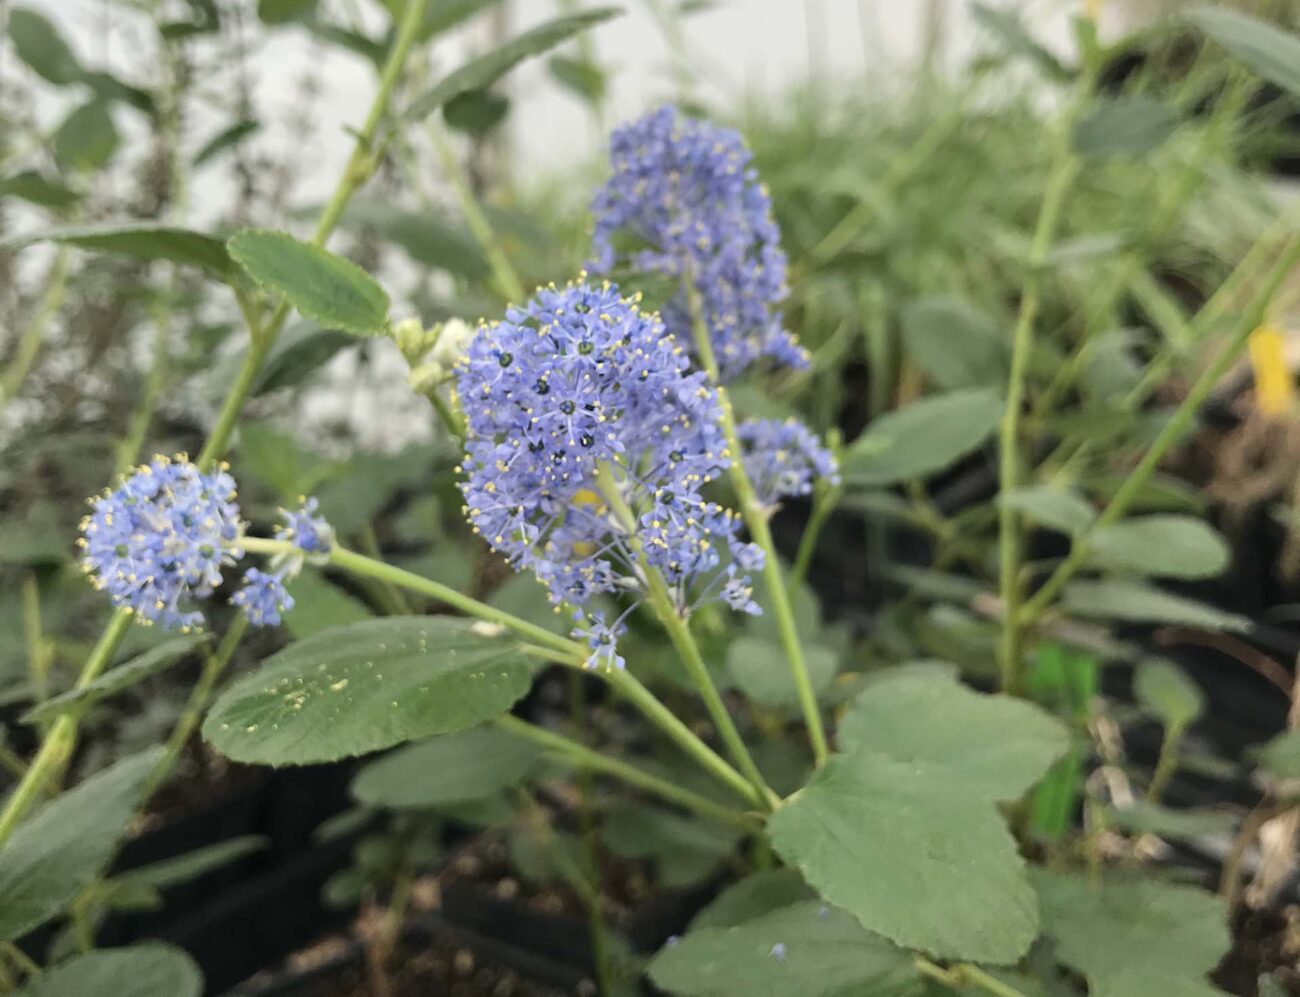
(433,353)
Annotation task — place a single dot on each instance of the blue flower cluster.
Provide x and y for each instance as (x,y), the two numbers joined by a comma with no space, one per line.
(590,440)
(161,539)
(783,458)
(685,191)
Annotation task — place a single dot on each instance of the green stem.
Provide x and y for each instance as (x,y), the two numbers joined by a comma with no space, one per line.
(1009,549)
(581,757)
(361,165)
(756,519)
(21,959)
(665,609)
(1166,763)
(824,503)
(38,650)
(128,452)
(564,651)
(1174,430)
(56,747)
(214,664)
(397,604)
(29,343)
(507,280)
(962,975)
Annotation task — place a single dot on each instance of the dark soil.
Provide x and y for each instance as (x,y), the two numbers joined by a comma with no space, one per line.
(433,966)
(1264,943)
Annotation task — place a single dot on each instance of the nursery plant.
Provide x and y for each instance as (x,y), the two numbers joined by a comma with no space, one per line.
(936,804)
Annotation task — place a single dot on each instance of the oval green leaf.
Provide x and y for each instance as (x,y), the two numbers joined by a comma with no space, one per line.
(60,849)
(481,72)
(1271,52)
(365,686)
(322,286)
(140,240)
(151,969)
(454,768)
(922,438)
(1165,691)
(116,679)
(1166,546)
(37,42)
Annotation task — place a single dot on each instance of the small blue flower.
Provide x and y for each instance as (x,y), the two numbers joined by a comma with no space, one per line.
(686,192)
(784,458)
(263,598)
(305,529)
(161,539)
(602,638)
(575,381)
(778,952)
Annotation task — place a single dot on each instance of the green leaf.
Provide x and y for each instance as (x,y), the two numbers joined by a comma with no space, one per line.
(365,686)
(475,112)
(1165,691)
(481,72)
(1271,52)
(426,238)
(275,12)
(116,679)
(140,240)
(912,855)
(225,139)
(582,76)
(1162,545)
(299,353)
(87,138)
(953,344)
(995,746)
(318,605)
(150,969)
(922,438)
(1125,126)
(30,186)
(759,668)
(683,850)
(64,845)
(323,287)
(757,894)
(109,88)
(901,829)
(441,16)
(454,768)
(37,42)
(1061,509)
(805,949)
(1281,756)
(1007,26)
(1114,599)
(1123,930)
(193,864)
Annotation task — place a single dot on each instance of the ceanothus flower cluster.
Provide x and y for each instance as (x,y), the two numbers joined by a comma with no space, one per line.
(783,458)
(160,541)
(685,192)
(589,442)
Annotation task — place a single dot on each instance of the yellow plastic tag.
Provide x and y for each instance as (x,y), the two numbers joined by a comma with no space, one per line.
(1274,386)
